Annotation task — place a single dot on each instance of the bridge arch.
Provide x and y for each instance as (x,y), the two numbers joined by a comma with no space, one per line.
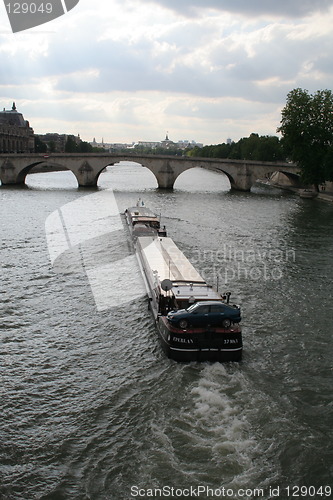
(24,172)
(224,182)
(223,171)
(291,175)
(166,170)
(285,178)
(21,176)
(231,179)
(83,171)
(141,169)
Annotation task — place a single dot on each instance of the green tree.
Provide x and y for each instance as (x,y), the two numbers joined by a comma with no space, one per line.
(328,165)
(307,133)
(70,146)
(270,149)
(84,147)
(195,152)
(254,147)
(40,146)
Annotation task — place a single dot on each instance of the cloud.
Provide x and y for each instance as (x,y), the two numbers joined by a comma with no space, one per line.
(281,8)
(135,69)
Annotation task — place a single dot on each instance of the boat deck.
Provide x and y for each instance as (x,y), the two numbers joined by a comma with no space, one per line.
(166,261)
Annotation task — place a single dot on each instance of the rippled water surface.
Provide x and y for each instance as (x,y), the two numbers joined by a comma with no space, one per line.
(90,406)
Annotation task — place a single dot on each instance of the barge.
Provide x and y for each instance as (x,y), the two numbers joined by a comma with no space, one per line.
(193,320)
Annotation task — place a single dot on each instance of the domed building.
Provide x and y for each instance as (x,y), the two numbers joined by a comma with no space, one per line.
(16,135)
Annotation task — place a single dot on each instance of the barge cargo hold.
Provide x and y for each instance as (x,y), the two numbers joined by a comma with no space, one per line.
(173,284)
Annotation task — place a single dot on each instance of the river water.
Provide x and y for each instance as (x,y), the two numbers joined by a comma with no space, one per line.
(90,406)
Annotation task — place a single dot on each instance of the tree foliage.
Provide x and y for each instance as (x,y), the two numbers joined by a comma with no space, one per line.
(307,133)
(74,146)
(254,147)
(70,146)
(157,150)
(84,147)
(40,146)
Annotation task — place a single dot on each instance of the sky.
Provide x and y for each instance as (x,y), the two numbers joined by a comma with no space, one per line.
(132,70)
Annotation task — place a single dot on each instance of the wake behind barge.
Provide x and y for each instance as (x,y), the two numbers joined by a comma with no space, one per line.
(173,285)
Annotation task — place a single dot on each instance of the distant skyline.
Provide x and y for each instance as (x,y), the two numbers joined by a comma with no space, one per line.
(130,70)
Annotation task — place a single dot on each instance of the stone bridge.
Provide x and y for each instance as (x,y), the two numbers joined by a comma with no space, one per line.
(87,167)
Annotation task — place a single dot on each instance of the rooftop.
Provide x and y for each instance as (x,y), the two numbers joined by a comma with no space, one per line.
(13,117)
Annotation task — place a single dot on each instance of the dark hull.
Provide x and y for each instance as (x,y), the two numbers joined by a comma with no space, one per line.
(200,344)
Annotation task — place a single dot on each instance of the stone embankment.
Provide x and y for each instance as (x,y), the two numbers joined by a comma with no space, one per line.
(326,195)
